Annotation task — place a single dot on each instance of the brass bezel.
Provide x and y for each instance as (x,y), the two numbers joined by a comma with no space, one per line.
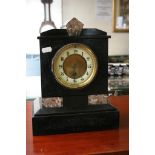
(77,85)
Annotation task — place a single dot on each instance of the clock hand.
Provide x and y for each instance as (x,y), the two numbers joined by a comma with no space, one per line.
(74,66)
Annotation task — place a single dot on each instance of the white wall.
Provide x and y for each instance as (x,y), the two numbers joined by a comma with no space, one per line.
(33,19)
(35,16)
(85,10)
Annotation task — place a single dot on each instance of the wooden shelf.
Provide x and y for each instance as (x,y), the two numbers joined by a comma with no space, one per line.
(108,142)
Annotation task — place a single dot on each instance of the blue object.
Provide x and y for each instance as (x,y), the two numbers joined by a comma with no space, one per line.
(32,65)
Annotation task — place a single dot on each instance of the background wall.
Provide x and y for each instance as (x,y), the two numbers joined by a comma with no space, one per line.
(34,17)
(85,11)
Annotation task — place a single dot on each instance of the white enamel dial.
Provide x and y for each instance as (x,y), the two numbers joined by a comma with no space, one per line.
(74,65)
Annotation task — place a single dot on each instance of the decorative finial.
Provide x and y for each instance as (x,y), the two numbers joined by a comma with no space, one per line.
(74,27)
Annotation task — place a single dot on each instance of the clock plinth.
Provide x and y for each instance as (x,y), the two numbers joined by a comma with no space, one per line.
(71,118)
(73,67)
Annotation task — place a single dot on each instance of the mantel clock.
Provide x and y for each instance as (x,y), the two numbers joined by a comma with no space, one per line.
(73,67)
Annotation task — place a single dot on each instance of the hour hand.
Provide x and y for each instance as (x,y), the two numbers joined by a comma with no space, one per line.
(74,74)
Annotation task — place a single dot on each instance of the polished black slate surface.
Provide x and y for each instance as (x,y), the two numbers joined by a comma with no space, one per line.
(55,39)
(52,121)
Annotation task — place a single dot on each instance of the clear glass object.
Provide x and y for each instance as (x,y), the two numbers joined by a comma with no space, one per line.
(47,24)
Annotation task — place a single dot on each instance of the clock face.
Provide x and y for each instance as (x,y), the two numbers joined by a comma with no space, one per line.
(74,66)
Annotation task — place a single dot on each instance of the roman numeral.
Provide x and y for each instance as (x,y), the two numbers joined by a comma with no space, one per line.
(75,51)
(62,58)
(90,66)
(67,53)
(74,81)
(62,74)
(60,66)
(82,79)
(88,58)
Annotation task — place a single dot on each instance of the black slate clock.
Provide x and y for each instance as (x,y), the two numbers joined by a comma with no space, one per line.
(73,68)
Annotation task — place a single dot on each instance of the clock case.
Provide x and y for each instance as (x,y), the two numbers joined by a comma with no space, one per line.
(76,114)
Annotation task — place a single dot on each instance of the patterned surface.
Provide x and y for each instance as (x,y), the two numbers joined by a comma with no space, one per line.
(118,71)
